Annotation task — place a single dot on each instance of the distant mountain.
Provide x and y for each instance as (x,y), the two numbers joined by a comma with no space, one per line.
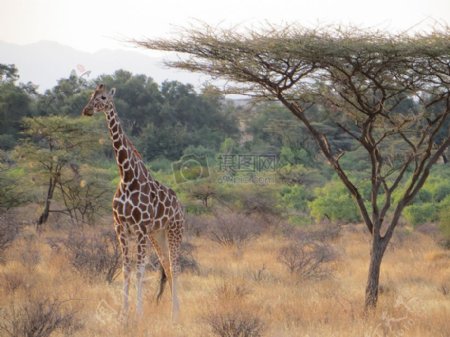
(44,62)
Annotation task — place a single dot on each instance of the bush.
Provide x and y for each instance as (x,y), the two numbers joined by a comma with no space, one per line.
(333,202)
(161,164)
(441,191)
(8,232)
(234,229)
(299,175)
(230,292)
(320,233)
(13,280)
(93,255)
(419,214)
(435,189)
(444,220)
(252,200)
(7,141)
(423,196)
(296,197)
(231,315)
(38,318)
(31,256)
(306,260)
(195,209)
(235,323)
(197,225)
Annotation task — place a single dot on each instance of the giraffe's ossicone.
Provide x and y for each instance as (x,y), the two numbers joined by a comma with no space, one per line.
(143,209)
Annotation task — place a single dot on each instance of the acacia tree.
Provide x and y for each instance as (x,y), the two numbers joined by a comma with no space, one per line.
(364,78)
(85,192)
(50,150)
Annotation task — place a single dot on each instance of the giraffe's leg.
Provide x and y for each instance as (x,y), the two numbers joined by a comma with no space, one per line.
(174,242)
(159,242)
(140,265)
(126,266)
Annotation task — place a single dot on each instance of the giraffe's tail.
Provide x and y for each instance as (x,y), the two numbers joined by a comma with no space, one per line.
(162,283)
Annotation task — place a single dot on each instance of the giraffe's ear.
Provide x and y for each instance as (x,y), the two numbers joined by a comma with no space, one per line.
(112,92)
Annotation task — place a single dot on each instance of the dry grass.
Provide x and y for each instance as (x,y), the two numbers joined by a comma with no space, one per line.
(248,287)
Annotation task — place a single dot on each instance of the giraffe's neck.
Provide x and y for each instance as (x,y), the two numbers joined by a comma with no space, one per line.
(129,161)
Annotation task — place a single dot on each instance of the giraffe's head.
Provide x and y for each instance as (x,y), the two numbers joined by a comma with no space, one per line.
(100,100)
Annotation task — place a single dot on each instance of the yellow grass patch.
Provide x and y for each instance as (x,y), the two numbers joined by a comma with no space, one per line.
(248,285)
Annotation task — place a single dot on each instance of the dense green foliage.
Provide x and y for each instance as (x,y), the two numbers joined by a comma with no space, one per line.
(333,202)
(15,101)
(163,119)
(431,203)
(168,118)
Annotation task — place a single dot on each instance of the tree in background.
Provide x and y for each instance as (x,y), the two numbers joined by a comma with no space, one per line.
(164,120)
(12,194)
(52,148)
(362,78)
(86,192)
(65,98)
(14,105)
(334,204)
(138,99)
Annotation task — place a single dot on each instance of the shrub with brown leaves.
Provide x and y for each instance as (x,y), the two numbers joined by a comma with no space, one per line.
(94,255)
(234,229)
(307,259)
(235,323)
(9,230)
(38,318)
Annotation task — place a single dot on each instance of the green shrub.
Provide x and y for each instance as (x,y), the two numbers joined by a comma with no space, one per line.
(294,156)
(7,141)
(299,220)
(161,164)
(333,202)
(444,219)
(444,222)
(296,197)
(419,214)
(196,209)
(423,196)
(299,174)
(355,161)
(441,191)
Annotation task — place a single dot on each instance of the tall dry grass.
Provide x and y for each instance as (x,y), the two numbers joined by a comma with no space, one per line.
(244,291)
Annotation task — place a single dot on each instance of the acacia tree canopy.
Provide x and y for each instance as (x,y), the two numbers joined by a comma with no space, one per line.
(366,79)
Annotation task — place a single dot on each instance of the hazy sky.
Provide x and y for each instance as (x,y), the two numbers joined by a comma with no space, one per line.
(90,25)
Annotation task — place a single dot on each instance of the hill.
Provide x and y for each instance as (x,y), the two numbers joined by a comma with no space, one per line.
(44,62)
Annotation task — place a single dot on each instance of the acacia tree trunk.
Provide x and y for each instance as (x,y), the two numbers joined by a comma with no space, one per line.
(376,256)
(69,208)
(45,212)
(379,245)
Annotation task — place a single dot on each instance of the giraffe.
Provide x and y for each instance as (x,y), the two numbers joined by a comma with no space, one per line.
(143,209)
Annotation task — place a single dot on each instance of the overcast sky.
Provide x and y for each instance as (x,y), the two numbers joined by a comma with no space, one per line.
(91,25)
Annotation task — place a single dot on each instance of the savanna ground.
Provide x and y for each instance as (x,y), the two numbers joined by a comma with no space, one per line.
(236,289)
